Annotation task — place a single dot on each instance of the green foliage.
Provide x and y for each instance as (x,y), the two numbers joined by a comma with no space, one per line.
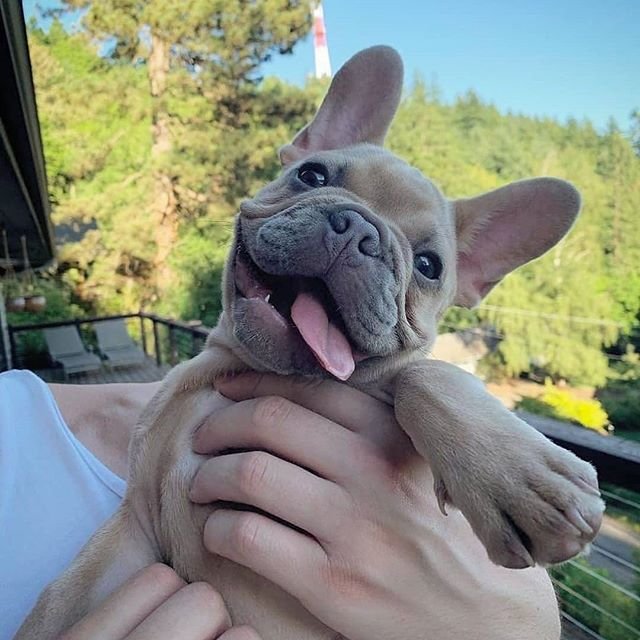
(105,157)
(621,396)
(61,305)
(199,260)
(621,400)
(563,405)
(99,124)
(543,312)
(61,302)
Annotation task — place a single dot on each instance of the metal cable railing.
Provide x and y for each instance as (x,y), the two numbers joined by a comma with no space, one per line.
(625,501)
(596,548)
(635,633)
(604,603)
(573,622)
(602,579)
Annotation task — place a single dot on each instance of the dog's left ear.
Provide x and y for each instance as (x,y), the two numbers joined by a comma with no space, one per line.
(359,107)
(503,229)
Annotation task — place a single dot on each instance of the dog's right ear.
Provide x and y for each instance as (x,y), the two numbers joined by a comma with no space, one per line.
(503,229)
(359,107)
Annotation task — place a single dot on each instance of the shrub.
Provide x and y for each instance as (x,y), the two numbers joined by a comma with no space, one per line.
(562,405)
(621,399)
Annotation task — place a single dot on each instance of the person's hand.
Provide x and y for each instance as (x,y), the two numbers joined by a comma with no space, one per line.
(368,552)
(156,604)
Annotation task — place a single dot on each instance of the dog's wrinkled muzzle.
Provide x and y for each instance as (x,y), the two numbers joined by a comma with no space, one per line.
(327,269)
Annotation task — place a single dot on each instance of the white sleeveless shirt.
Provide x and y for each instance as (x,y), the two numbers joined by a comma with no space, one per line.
(54,493)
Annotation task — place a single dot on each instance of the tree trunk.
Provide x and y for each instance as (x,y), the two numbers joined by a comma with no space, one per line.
(165,204)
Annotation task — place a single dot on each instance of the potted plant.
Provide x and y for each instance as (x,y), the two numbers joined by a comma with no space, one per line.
(34,301)
(14,299)
(11,289)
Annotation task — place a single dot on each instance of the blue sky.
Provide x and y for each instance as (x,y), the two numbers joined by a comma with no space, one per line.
(555,58)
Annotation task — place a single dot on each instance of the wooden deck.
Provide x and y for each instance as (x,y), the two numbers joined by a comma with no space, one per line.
(149,371)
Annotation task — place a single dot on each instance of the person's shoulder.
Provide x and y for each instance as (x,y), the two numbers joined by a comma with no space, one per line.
(96,404)
(16,384)
(103,416)
(21,377)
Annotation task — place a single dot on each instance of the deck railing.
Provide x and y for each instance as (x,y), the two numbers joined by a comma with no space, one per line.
(167,341)
(600,594)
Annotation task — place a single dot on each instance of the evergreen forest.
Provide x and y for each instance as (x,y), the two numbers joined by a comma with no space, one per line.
(156,122)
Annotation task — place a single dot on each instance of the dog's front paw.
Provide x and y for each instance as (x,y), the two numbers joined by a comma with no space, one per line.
(530,501)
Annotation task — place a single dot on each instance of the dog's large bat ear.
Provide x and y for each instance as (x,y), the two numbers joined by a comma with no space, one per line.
(359,107)
(503,229)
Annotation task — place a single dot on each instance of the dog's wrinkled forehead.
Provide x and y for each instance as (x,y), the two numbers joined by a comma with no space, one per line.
(396,191)
(390,188)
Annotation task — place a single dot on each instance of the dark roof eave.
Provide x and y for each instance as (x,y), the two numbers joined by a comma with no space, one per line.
(24,200)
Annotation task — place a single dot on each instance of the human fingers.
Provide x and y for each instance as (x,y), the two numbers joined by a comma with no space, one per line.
(286,557)
(275,486)
(127,607)
(195,612)
(288,430)
(337,402)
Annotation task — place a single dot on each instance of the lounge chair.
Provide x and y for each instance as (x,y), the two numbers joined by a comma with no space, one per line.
(116,345)
(67,349)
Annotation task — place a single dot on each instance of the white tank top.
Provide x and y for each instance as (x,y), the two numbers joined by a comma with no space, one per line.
(54,493)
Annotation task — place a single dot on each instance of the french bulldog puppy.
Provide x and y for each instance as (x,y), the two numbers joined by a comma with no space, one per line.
(342,267)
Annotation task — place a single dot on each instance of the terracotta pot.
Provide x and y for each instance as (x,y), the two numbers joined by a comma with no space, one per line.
(15,303)
(36,303)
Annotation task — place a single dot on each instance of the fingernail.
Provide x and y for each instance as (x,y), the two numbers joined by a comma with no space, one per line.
(237,386)
(197,429)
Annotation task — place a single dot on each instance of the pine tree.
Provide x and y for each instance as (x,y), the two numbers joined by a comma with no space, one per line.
(201,57)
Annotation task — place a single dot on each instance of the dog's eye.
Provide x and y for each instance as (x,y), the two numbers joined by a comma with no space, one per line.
(313,175)
(428,264)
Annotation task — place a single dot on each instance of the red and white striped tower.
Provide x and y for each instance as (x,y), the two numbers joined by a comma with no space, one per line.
(320,48)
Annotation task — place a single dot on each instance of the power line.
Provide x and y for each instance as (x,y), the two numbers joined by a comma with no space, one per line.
(494,335)
(550,316)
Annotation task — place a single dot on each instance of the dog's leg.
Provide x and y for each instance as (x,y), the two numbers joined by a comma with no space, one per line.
(113,554)
(528,500)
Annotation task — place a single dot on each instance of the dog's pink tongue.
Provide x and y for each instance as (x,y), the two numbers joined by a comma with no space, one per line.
(326,341)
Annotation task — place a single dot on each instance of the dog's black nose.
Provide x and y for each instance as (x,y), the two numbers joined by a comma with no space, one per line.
(360,230)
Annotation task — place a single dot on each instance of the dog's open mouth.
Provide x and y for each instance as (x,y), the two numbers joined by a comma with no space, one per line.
(296,303)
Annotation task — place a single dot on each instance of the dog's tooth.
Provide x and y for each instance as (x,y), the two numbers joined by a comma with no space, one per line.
(267,297)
